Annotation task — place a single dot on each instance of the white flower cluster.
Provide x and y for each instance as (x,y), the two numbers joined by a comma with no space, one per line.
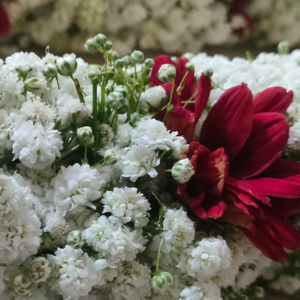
(149,25)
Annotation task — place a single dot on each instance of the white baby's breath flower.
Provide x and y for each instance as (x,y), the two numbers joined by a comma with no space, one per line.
(155,96)
(294,136)
(36,145)
(127,204)
(56,225)
(76,187)
(138,162)
(106,133)
(182,171)
(201,291)
(39,269)
(75,272)
(122,138)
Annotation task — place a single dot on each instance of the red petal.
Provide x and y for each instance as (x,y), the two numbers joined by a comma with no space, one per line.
(274,99)
(285,207)
(247,188)
(203,92)
(199,158)
(265,244)
(158,62)
(4,22)
(238,217)
(268,138)
(229,122)
(182,121)
(216,172)
(280,230)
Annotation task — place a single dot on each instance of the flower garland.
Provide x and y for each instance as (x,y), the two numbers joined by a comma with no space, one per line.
(128,181)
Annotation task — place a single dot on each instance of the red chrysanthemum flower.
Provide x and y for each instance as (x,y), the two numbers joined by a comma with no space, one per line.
(239,177)
(4,20)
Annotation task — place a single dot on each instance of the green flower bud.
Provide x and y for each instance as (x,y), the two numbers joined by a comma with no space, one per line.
(175,59)
(75,239)
(109,87)
(209,72)
(100,40)
(149,62)
(39,269)
(188,55)
(50,70)
(113,55)
(166,73)
(90,46)
(122,110)
(22,285)
(85,136)
(111,156)
(119,63)
(137,57)
(115,100)
(126,61)
(134,118)
(182,171)
(67,65)
(189,66)
(162,280)
(93,72)
(32,84)
(107,46)
(284,47)
(121,89)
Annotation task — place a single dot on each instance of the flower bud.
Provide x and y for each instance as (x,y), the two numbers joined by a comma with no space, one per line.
(137,57)
(119,63)
(113,54)
(166,73)
(39,269)
(109,87)
(121,89)
(107,46)
(175,59)
(189,66)
(283,47)
(32,84)
(115,100)
(149,62)
(160,281)
(126,61)
(100,40)
(188,55)
(208,73)
(75,239)
(111,156)
(155,96)
(90,46)
(93,72)
(22,284)
(50,70)
(85,136)
(67,65)
(182,171)
(134,118)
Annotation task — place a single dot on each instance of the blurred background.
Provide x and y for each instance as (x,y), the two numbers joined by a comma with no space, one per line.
(228,27)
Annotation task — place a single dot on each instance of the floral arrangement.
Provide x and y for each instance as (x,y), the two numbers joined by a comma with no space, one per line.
(149,25)
(140,179)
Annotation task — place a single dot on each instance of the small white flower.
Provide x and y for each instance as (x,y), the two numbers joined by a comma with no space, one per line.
(294,136)
(182,171)
(138,162)
(39,269)
(67,64)
(155,96)
(127,204)
(22,285)
(201,291)
(122,138)
(56,225)
(106,133)
(76,187)
(75,272)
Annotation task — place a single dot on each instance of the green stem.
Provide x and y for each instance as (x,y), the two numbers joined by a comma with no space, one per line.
(170,100)
(66,153)
(57,82)
(168,171)
(216,85)
(78,89)
(157,199)
(95,107)
(190,100)
(158,254)
(85,155)
(180,87)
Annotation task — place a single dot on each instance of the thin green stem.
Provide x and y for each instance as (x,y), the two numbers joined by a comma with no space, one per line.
(56,78)
(85,155)
(158,254)
(216,85)
(180,87)
(168,171)
(78,89)
(66,153)
(95,109)
(190,100)
(170,100)
(157,199)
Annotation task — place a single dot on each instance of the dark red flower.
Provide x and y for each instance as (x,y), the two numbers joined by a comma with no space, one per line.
(182,118)
(239,177)
(4,20)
